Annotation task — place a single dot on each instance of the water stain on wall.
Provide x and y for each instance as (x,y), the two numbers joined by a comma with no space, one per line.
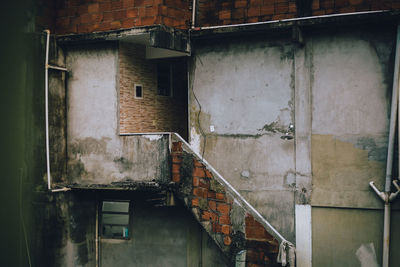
(342,171)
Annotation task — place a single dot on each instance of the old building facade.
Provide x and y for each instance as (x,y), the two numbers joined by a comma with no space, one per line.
(214,133)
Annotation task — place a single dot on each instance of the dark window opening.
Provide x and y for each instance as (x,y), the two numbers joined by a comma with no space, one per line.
(115,219)
(164,79)
(138,91)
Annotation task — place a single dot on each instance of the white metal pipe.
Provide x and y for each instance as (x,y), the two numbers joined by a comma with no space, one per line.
(64,189)
(386,235)
(194,6)
(97,232)
(293,19)
(46,97)
(47,66)
(393,114)
(56,67)
(382,195)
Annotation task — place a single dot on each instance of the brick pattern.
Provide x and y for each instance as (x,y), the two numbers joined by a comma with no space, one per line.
(262,248)
(152,113)
(82,16)
(210,201)
(225,12)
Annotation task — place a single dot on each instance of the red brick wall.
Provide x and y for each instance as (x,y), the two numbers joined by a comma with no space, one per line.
(210,201)
(224,12)
(81,16)
(152,113)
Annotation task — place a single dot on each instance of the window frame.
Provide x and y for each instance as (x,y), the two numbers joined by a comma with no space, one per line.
(135,92)
(101,223)
(170,75)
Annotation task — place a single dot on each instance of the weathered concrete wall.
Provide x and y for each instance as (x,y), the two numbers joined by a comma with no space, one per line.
(244,90)
(340,81)
(338,233)
(96,152)
(351,74)
(351,90)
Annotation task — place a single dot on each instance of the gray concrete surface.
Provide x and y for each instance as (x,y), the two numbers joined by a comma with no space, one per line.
(96,152)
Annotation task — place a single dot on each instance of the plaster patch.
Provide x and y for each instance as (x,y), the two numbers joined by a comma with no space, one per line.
(194,140)
(341,173)
(153,137)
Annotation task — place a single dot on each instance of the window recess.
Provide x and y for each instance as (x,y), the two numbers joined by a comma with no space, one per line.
(115,219)
(164,79)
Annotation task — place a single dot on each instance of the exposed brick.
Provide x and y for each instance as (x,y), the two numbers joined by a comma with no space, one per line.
(127,3)
(255,3)
(267,10)
(326,4)
(195,202)
(106,6)
(200,192)
(281,8)
(226,229)
(212,205)
(197,163)
(176,177)
(177,146)
(211,194)
(224,219)
(341,3)
(220,196)
(176,159)
(315,5)
(108,16)
(216,228)
(176,168)
(208,174)
(196,181)
(204,183)
(227,240)
(209,216)
(199,172)
(253,12)
(93,8)
(318,12)
(347,9)
(238,13)
(240,3)
(223,208)
(224,14)
(116,5)
(292,7)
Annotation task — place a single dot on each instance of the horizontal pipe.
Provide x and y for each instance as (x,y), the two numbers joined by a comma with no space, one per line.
(293,19)
(64,189)
(153,133)
(56,67)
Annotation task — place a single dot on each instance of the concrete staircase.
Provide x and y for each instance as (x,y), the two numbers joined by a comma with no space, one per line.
(238,228)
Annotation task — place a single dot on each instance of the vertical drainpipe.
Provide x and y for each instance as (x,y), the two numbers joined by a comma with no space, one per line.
(194,7)
(46,97)
(47,66)
(387,196)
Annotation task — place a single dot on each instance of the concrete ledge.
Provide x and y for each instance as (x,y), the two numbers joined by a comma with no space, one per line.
(159,36)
